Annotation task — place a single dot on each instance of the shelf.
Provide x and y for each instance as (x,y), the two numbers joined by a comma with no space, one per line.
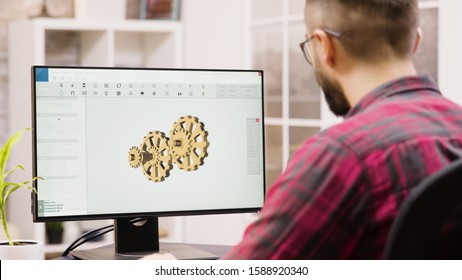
(100,25)
(133,43)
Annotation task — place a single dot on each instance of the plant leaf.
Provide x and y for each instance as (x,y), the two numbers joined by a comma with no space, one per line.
(5,154)
(13,170)
(10,187)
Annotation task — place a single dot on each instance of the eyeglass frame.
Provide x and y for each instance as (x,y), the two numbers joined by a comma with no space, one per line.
(304,45)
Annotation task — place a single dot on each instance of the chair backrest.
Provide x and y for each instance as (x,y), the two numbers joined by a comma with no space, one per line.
(416,230)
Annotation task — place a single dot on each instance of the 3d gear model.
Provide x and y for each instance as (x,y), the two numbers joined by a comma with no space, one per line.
(135,157)
(156,160)
(188,143)
(186,147)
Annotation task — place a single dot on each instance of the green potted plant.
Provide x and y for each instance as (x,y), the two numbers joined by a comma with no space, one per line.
(14,249)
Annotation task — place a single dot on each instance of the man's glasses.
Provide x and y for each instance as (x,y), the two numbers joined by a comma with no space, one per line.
(306,47)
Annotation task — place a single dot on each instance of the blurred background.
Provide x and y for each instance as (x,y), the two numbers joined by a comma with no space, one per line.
(229,34)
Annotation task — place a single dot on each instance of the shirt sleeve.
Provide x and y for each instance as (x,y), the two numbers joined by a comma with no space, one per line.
(315,210)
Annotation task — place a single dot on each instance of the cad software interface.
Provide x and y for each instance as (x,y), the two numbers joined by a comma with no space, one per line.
(111,141)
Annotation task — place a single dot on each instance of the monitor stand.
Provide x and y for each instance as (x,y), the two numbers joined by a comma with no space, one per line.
(136,240)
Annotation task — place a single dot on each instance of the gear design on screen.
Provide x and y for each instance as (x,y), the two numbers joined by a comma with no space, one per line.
(186,147)
(188,143)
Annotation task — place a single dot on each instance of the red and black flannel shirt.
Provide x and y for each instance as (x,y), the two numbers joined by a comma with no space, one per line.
(342,189)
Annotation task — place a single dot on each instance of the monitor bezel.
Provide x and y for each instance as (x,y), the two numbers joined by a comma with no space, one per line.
(38,219)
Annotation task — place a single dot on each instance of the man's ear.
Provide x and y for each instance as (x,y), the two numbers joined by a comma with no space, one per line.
(417,40)
(326,47)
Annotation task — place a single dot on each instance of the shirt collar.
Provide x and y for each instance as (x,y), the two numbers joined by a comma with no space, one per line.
(398,86)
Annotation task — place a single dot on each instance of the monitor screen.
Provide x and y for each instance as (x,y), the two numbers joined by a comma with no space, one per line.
(126,142)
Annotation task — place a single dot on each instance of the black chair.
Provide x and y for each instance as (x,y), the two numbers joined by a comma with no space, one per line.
(416,231)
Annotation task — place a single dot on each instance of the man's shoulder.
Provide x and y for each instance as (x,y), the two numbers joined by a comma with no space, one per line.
(395,121)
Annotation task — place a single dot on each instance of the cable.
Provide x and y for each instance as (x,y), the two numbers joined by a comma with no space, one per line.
(87,236)
(96,235)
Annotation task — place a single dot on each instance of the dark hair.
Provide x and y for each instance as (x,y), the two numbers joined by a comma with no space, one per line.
(371,29)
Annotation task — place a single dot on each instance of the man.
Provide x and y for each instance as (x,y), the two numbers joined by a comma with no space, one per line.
(343,188)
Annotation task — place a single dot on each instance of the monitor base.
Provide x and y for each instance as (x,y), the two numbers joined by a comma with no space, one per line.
(179,251)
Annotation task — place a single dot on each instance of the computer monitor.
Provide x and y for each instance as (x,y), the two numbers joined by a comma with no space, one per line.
(121,143)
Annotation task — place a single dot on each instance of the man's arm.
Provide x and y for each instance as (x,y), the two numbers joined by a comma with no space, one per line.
(316,208)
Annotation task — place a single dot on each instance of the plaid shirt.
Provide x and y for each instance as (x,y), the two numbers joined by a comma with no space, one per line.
(342,189)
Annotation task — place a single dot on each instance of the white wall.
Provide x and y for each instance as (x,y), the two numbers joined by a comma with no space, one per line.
(214,33)
(450,49)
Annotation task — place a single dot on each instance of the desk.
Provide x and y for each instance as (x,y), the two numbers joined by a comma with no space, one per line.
(179,250)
